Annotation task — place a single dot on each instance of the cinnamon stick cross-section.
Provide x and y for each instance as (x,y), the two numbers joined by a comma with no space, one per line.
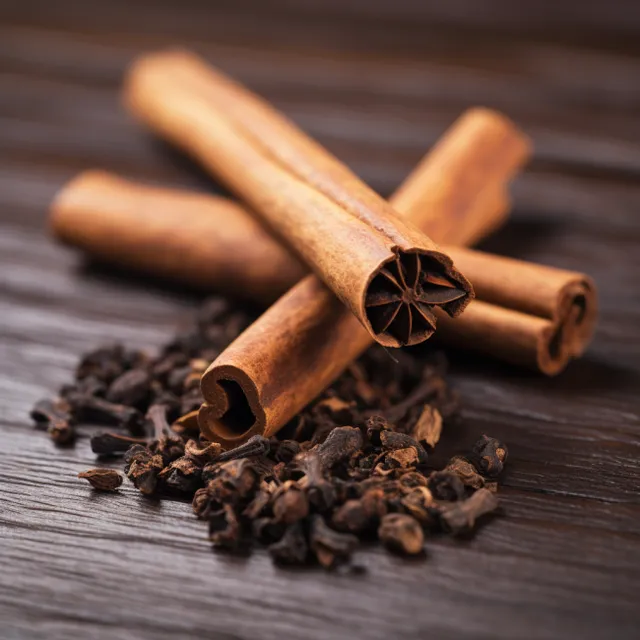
(400,298)
(385,270)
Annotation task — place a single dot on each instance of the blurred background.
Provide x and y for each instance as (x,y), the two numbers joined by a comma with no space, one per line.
(375,80)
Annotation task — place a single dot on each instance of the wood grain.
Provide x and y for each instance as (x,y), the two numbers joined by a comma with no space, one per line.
(376,83)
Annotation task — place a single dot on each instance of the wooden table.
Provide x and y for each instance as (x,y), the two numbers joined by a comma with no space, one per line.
(377,82)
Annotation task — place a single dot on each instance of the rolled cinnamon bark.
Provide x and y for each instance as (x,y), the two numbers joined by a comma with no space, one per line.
(205,241)
(307,338)
(529,314)
(389,273)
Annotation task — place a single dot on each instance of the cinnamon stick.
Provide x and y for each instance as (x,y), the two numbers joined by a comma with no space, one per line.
(307,338)
(389,273)
(180,236)
(529,314)
(524,313)
(207,242)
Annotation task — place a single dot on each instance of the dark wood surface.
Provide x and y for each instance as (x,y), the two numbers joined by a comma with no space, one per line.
(376,82)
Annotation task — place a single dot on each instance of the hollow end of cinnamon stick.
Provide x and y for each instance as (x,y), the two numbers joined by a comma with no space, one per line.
(401,296)
(572,327)
(233,411)
(542,343)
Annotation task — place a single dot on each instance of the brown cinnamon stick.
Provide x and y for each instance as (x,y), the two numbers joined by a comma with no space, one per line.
(180,236)
(524,313)
(527,314)
(389,273)
(204,241)
(530,314)
(306,339)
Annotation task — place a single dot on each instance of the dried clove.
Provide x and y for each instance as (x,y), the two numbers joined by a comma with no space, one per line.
(255,446)
(352,517)
(489,456)
(290,503)
(183,475)
(267,531)
(460,517)
(202,455)
(402,459)
(401,533)
(142,468)
(392,440)
(340,445)
(231,482)
(445,485)
(375,425)
(102,479)
(157,418)
(466,472)
(330,547)
(131,388)
(292,548)
(95,410)
(224,528)
(285,450)
(419,503)
(55,416)
(110,444)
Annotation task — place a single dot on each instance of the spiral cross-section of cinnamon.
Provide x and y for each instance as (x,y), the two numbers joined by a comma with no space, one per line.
(571,327)
(400,299)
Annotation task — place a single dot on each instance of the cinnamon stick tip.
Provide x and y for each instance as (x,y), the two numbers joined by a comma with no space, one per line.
(400,296)
(232,411)
(572,328)
(150,60)
(488,118)
(67,195)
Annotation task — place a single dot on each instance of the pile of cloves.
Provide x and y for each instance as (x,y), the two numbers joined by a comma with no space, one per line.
(352,467)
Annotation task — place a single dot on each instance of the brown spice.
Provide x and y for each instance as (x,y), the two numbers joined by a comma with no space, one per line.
(489,456)
(102,479)
(395,276)
(300,498)
(460,517)
(428,427)
(401,533)
(311,337)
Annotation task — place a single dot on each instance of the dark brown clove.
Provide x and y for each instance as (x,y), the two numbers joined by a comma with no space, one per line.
(292,548)
(460,517)
(466,472)
(255,446)
(489,456)
(401,533)
(340,445)
(330,547)
(445,485)
(109,443)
